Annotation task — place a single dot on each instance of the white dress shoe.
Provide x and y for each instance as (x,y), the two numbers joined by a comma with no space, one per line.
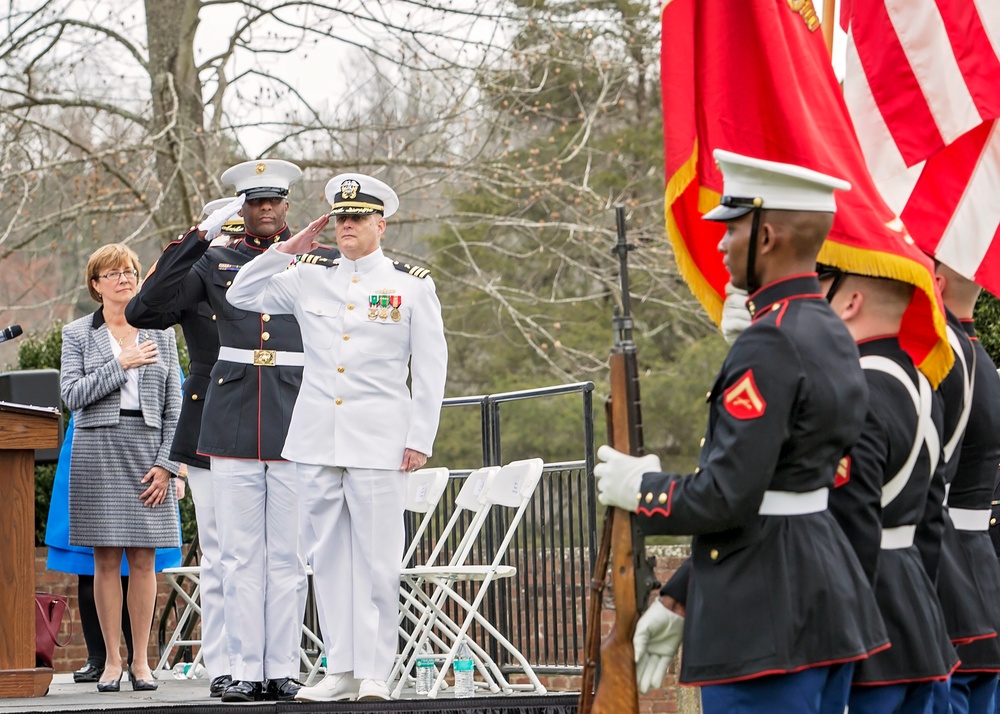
(373,689)
(332,688)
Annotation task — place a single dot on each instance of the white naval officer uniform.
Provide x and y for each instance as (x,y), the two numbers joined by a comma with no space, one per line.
(353,418)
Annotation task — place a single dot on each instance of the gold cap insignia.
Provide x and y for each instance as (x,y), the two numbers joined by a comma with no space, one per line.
(349,189)
(261,167)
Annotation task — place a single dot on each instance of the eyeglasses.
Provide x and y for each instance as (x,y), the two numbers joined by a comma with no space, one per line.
(115,275)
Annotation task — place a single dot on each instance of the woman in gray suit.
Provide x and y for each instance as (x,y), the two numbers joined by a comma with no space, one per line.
(123,386)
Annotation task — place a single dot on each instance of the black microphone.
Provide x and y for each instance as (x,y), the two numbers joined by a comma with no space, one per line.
(10,333)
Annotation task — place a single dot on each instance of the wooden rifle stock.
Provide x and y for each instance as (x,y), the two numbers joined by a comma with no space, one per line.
(631,574)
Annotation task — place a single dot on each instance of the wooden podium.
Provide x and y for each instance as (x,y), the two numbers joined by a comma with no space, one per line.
(22,430)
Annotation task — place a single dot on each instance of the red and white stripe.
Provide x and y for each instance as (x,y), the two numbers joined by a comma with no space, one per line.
(922,85)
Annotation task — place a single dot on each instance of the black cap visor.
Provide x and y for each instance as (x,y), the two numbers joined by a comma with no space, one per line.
(732,207)
(265,192)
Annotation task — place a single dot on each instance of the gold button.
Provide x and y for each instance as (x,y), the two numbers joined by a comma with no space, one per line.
(354,279)
(213,317)
(220,380)
(714,554)
(775,306)
(638,497)
(228,283)
(993,521)
(351,306)
(340,368)
(697,469)
(708,395)
(702,442)
(194,397)
(265,336)
(265,317)
(751,307)
(338,400)
(662,499)
(347,337)
(649,498)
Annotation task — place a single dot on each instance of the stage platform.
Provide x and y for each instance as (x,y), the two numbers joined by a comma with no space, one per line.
(191,697)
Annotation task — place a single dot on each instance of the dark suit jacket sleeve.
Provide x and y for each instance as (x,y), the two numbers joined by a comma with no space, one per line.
(174,284)
(677,586)
(856,502)
(171,401)
(736,472)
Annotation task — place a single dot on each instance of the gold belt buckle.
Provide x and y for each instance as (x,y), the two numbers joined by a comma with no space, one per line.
(265,358)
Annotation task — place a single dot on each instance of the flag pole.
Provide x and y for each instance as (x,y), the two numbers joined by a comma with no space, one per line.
(829,13)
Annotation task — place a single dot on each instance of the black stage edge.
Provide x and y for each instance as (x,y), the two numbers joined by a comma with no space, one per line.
(516,704)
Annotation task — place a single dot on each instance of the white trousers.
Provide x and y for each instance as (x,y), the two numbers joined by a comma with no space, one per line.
(352,528)
(214,646)
(264,579)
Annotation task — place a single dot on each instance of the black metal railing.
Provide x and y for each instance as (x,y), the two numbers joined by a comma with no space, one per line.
(541,610)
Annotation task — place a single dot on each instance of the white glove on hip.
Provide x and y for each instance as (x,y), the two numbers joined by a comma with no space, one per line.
(213,224)
(619,477)
(735,315)
(658,636)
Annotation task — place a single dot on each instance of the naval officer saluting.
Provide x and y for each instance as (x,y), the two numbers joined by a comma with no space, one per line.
(248,407)
(356,427)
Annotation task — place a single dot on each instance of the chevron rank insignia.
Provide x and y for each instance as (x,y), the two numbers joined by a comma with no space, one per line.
(743,399)
(414,270)
(843,472)
(310,259)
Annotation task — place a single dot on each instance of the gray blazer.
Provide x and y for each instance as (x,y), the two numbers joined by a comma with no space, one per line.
(91,380)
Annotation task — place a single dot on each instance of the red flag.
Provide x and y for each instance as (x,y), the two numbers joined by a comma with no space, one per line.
(754,77)
(923,89)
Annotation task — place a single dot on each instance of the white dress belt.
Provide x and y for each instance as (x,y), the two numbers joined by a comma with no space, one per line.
(898,537)
(970,519)
(790,503)
(262,358)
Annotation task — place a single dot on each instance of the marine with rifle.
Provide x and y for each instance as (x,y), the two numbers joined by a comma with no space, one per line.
(776,605)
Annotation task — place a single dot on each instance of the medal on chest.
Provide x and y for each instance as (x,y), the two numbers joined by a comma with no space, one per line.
(382,306)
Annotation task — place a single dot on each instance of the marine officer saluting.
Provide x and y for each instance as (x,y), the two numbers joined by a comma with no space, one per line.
(248,408)
(789,401)
(368,324)
(202,339)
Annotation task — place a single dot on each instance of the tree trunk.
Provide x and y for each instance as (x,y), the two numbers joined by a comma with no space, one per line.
(178,112)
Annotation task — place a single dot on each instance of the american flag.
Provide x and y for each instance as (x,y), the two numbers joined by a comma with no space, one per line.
(922,84)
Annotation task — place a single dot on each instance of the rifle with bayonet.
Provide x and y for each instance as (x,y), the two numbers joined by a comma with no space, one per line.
(621,540)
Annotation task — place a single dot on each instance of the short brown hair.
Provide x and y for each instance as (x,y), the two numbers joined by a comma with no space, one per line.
(105,258)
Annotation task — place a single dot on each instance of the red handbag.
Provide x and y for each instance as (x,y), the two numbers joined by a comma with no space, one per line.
(49,611)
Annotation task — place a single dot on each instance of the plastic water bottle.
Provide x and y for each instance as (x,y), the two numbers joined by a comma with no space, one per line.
(425,670)
(180,670)
(464,668)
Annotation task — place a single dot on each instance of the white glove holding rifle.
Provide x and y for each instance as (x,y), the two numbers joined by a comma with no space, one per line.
(217,218)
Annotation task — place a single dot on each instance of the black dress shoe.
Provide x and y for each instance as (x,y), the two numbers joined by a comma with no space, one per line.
(142,685)
(219,684)
(110,686)
(89,672)
(243,692)
(281,690)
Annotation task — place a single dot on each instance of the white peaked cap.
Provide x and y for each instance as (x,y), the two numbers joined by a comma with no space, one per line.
(749,182)
(358,194)
(264,178)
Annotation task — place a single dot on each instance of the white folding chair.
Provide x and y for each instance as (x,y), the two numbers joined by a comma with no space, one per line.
(468,505)
(511,487)
(424,489)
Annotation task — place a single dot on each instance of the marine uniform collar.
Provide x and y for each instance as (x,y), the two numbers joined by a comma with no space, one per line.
(262,243)
(805,285)
(969,325)
(365,263)
(882,345)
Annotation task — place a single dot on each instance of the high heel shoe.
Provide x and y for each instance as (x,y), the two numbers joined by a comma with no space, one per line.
(142,685)
(111,686)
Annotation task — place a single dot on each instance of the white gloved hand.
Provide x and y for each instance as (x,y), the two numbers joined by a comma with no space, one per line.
(735,315)
(619,477)
(213,224)
(658,636)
